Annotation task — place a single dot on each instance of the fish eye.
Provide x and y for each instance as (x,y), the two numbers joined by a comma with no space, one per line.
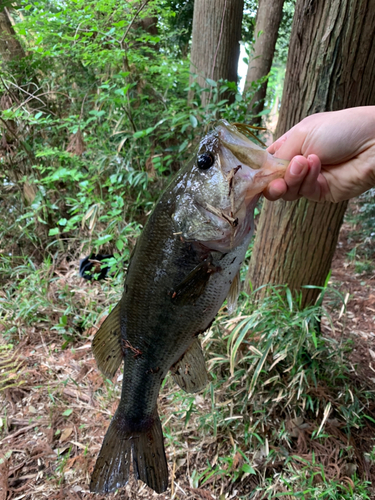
(205,161)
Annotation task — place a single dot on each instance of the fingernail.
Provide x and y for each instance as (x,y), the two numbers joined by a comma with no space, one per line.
(296,167)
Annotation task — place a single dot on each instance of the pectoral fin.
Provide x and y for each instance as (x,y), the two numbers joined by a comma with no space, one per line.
(190,371)
(194,285)
(233,294)
(106,344)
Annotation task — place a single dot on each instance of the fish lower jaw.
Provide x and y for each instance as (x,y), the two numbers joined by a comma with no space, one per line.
(231,240)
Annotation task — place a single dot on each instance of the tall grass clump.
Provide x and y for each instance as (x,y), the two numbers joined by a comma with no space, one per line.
(278,381)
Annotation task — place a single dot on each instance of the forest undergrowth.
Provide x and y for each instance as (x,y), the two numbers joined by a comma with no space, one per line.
(288,411)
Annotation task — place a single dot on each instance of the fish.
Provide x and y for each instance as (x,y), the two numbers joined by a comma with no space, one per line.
(185,263)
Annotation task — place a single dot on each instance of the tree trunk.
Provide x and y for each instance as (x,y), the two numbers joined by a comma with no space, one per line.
(10,51)
(331,66)
(215,41)
(10,47)
(267,26)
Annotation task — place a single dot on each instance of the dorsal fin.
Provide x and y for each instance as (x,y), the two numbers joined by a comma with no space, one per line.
(190,370)
(106,344)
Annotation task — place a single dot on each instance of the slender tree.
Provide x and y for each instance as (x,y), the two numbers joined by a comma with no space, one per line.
(331,66)
(10,47)
(13,57)
(10,51)
(215,41)
(267,26)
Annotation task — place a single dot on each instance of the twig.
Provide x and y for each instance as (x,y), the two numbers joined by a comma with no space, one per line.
(18,139)
(75,394)
(17,433)
(8,90)
(28,93)
(43,93)
(134,18)
(83,102)
(76,33)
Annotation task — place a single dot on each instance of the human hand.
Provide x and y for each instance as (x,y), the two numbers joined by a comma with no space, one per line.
(333,156)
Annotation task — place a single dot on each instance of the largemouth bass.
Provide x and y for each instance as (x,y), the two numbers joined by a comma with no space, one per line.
(184,265)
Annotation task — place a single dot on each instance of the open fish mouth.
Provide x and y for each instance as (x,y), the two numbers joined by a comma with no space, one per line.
(247,169)
(247,166)
(236,150)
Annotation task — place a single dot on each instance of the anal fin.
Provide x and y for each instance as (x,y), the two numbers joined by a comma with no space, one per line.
(190,370)
(106,344)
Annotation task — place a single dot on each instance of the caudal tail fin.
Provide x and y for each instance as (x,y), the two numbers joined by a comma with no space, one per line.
(121,446)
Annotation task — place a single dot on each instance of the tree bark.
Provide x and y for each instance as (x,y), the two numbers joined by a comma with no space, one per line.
(331,66)
(10,51)
(215,41)
(10,47)
(266,29)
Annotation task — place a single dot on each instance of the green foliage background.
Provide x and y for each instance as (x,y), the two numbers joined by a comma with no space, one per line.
(95,119)
(101,126)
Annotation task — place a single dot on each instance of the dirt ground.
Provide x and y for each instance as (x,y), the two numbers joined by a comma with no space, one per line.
(358,322)
(52,426)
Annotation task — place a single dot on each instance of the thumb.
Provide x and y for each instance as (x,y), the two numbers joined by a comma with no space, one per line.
(288,145)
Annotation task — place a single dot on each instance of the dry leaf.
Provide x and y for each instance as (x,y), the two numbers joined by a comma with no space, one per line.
(202,494)
(237,460)
(294,426)
(76,144)
(65,434)
(29,193)
(150,169)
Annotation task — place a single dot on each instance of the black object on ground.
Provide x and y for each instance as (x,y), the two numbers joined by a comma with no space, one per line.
(91,267)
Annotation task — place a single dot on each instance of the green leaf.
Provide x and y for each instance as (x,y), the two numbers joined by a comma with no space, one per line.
(96,112)
(120,24)
(313,334)
(193,121)
(210,82)
(119,245)
(260,366)
(68,412)
(103,239)
(247,468)
(370,418)
(183,146)
(140,133)
(289,299)
(53,231)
